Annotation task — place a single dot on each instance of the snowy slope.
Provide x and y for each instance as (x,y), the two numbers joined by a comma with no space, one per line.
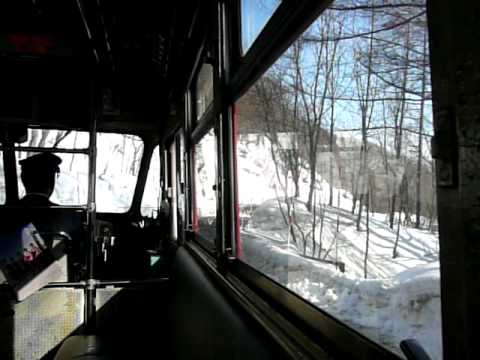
(399,298)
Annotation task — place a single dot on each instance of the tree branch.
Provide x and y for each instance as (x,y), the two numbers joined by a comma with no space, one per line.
(377,7)
(385,128)
(353,36)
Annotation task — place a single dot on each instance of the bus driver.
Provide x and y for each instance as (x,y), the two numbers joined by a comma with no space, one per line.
(38,177)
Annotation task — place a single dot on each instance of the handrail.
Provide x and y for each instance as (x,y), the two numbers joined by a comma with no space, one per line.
(44,150)
(105,283)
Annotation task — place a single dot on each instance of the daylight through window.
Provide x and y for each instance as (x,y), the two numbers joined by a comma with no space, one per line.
(71,185)
(205,211)
(204,90)
(118,162)
(255,15)
(152,195)
(336,182)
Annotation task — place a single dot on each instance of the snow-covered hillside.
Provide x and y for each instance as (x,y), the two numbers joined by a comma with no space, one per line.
(399,297)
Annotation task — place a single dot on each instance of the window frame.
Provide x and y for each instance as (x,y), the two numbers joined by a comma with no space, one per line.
(213,249)
(12,191)
(288,21)
(196,129)
(139,188)
(207,113)
(234,75)
(240,19)
(181,185)
(155,148)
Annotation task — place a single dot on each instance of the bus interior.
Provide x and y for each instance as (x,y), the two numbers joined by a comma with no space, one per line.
(257,179)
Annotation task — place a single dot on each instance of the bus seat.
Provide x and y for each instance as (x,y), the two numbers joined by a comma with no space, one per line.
(85,347)
(206,323)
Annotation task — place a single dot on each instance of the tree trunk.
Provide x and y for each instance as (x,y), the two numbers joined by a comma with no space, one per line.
(399,130)
(330,170)
(395,246)
(359,215)
(420,137)
(314,224)
(313,179)
(320,242)
(367,242)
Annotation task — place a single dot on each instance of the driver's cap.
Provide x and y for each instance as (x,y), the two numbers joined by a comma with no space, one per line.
(41,162)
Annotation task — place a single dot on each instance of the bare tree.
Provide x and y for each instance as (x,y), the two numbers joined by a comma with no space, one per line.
(367,238)
(365,87)
(420,131)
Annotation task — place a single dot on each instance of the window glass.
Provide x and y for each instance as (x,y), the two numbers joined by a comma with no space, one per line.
(255,15)
(172,190)
(118,162)
(205,210)
(71,185)
(152,196)
(64,139)
(336,182)
(181,178)
(2,180)
(204,89)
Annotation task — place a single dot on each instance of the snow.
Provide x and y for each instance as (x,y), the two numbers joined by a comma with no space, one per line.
(118,158)
(398,299)
(205,176)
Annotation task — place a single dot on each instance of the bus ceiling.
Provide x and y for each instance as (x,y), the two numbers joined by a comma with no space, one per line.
(134,60)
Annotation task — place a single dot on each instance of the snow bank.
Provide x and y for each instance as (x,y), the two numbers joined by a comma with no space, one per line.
(399,299)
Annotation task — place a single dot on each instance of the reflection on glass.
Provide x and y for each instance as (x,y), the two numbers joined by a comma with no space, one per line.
(204,89)
(255,14)
(205,214)
(152,196)
(336,183)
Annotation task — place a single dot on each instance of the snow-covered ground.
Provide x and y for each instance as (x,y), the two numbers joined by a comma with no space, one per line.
(399,297)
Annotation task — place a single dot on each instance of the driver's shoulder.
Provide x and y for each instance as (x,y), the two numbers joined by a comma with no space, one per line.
(35,200)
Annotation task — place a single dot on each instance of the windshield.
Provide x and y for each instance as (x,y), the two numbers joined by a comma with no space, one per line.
(118,162)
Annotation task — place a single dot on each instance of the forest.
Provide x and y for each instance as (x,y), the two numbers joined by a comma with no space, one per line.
(350,103)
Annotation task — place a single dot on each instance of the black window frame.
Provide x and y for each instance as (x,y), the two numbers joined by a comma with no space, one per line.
(234,74)
(240,73)
(212,248)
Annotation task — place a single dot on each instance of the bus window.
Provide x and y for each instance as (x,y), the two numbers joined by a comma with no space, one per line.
(2,181)
(152,196)
(118,163)
(336,182)
(205,177)
(204,89)
(180,163)
(67,139)
(71,186)
(255,14)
